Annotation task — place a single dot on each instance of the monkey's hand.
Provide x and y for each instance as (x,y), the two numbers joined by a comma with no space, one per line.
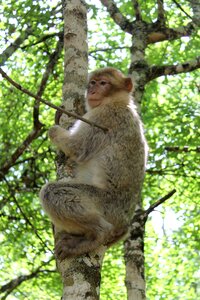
(54,132)
(59,137)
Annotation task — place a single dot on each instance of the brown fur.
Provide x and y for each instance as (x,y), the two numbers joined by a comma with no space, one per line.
(97,205)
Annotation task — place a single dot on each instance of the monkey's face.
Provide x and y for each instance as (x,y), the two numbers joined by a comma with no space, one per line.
(105,85)
(98,89)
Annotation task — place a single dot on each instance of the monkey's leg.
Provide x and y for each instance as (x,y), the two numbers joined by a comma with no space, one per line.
(73,208)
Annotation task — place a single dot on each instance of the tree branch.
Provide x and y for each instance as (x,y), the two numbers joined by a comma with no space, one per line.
(108,49)
(196,11)
(23,36)
(134,250)
(15,45)
(183,149)
(18,152)
(12,193)
(141,215)
(159,202)
(161,12)
(14,283)
(117,16)
(136,6)
(53,58)
(180,7)
(37,126)
(19,87)
(157,71)
(43,39)
(158,33)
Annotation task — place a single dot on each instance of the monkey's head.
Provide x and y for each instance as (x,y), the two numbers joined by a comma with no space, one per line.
(107,85)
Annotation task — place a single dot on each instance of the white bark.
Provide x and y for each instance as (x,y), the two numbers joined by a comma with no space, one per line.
(81,276)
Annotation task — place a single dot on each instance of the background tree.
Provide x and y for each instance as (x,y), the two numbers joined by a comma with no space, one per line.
(163,41)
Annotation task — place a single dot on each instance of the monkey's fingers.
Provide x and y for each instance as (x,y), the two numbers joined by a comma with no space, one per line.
(58,115)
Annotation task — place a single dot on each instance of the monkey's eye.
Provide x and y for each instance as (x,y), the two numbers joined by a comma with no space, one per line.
(103,82)
(92,82)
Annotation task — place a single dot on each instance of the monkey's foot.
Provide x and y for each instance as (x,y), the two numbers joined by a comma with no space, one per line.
(69,245)
(117,236)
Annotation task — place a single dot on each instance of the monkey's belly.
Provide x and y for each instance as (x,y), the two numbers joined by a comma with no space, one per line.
(91,173)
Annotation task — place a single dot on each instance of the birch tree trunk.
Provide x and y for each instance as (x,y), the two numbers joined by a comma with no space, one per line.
(134,245)
(81,276)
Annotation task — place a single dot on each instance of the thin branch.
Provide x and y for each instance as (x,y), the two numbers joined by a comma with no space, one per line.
(53,59)
(158,33)
(12,193)
(37,126)
(14,283)
(136,6)
(159,202)
(117,16)
(141,216)
(183,149)
(176,173)
(157,71)
(15,45)
(161,12)
(108,49)
(23,36)
(19,87)
(43,39)
(18,152)
(196,11)
(9,217)
(3,202)
(180,7)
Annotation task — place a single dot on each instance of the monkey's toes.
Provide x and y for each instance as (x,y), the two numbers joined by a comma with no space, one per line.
(68,246)
(61,252)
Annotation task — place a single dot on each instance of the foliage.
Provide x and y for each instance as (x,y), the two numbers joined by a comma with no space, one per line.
(169,111)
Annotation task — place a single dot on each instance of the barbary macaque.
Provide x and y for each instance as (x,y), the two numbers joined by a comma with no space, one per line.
(95,208)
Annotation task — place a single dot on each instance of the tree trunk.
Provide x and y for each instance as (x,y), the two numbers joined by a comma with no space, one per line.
(81,276)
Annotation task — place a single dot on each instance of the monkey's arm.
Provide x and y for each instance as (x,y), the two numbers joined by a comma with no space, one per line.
(80,144)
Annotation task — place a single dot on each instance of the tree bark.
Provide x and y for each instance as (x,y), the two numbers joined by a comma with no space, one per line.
(134,245)
(81,276)
(8,52)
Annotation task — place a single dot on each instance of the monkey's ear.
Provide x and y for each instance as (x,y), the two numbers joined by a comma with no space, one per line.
(128,84)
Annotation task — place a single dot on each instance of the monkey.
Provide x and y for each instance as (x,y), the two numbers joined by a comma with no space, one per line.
(96,206)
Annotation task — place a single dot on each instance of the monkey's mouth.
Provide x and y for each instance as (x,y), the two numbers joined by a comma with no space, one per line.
(94,97)
(93,102)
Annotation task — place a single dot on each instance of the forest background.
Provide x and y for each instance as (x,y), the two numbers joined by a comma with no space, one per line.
(32,55)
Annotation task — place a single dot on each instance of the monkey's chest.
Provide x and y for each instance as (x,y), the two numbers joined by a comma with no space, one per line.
(92,173)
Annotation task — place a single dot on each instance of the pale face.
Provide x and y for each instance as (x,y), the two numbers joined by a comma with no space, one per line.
(98,89)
